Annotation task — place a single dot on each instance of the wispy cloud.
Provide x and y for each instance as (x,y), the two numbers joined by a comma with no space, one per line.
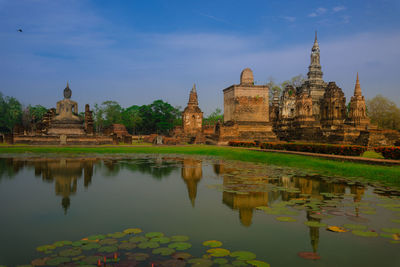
(318,12)
(338,8)
(213,18)
(289,18)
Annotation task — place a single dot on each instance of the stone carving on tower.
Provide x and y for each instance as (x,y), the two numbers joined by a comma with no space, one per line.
(192,116)
(333,106)
(288,103)
(357,112)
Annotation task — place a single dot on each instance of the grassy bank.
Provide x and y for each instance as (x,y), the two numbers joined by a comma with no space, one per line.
(386,174)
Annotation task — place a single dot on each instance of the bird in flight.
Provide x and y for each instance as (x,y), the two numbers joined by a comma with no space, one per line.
(19,30)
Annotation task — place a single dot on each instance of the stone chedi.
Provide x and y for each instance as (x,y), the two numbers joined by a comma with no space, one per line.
(192,116)
(246,111)
(357,112)
(66,121)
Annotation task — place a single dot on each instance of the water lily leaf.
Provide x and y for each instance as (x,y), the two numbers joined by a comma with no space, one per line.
(391,236)
(199,262)
(391,230)
(24,265)
(212,243)
(180,245)
(138,239)
(173,263)
(239,263)
(163,251)
(148,244)
(117,235)
(61,243)
(71,252)
(181,255)
(79,243)
(139,256)
(108,249)
(220,261)
(368,212)
(90,246)
(96,237)
(93,259)
(396,220)
(395,241)
(258,263)
(127,246)
(336,229)
(38,262)
(161,240)
(218,252)
(355,226)
(108,241)
(315,224)
(154,234)
(309,255)
(132,231)
(57,261)
(365,233)
(179,238)
(286,219)
(243,255)
(78,258)
(45,248)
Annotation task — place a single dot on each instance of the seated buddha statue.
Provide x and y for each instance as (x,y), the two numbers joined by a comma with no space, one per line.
(67,109)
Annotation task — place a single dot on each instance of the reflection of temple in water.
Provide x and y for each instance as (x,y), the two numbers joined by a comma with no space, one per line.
(65,173)
(192,173)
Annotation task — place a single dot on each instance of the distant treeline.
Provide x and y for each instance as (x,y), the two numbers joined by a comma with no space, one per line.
(157,117)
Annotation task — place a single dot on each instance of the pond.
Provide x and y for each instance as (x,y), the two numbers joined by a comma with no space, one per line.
(172,204)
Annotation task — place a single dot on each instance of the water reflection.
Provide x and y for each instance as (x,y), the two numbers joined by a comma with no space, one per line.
(192,172)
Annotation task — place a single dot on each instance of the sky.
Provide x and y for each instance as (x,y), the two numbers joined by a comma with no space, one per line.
(135,52)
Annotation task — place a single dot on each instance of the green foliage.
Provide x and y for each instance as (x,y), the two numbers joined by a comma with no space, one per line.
(36,112)
(10,113)
(214,117)
(384,112)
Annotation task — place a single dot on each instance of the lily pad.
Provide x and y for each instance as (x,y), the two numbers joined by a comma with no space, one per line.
(138,239)
(286,219)
(139,256)
(90,246)
(108,241)
(355,226)
(154,234)
(96,237)
(163,251)
(199,262)
(220,261)
(243,255)
(161,240)
(148,244)
(315,224)
(391,230)
(117,235)
(396,220)
(239,263)
(258,263)
(127,246)
(212,243)
(179,238)
(132,231)
(45,248)
(108,249)
(218,252)
(365,233)
(38,262)
(337,229)
(79,243)
(93,259)
(57,261)
(180,245)
(71,252)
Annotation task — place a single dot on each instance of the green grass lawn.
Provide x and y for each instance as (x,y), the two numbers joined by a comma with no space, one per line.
(386,174)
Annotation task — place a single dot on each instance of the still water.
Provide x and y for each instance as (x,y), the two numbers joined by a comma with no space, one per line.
(248,207)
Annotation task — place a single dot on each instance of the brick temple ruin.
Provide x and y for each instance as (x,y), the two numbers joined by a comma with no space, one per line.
(63,126)
(316,111)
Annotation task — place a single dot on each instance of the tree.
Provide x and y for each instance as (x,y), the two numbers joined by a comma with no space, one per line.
(10,113)
(37,112)
(295,81)
(383,112)
(214,117)
(131,118)
(110,112)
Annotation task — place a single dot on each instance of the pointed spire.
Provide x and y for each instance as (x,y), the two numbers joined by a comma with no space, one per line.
(67,85)
(316,45)
(357,89)
(194,88)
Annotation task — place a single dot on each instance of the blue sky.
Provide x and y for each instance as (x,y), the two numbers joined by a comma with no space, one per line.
(135,52)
